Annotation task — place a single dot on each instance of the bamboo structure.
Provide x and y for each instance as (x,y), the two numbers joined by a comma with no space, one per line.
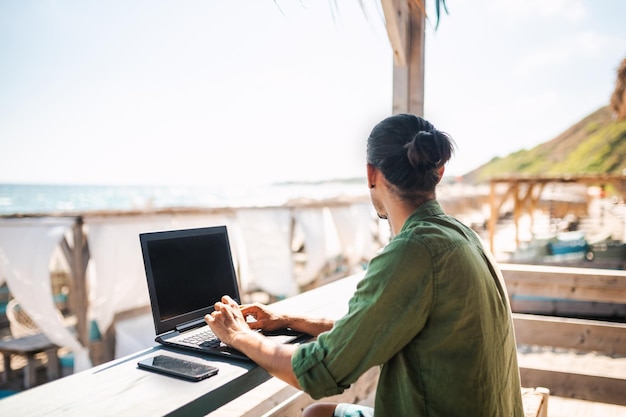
(526,192)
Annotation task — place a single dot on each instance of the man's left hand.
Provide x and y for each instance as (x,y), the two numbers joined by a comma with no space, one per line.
(227,321)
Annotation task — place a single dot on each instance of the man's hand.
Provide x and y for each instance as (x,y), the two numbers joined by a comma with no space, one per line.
(230,326)
(264,318)
(227,321)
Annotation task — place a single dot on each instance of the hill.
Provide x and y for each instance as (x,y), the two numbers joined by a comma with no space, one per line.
(594,145)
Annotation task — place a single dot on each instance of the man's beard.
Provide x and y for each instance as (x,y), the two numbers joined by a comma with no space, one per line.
(378,207)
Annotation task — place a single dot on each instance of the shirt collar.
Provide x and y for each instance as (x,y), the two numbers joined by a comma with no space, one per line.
(430,208)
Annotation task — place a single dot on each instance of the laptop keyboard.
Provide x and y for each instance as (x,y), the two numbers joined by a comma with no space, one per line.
(205,338)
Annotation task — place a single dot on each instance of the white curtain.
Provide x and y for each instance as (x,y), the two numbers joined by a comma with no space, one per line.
(320,240)
(26,246)
(267,262)
(356,228)
(116,276)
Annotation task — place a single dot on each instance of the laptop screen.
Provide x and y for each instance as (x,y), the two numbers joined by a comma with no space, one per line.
(188,271)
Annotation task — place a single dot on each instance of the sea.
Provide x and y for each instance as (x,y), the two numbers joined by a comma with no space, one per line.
(29,199)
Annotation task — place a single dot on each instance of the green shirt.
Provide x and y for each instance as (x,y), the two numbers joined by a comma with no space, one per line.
(433,313)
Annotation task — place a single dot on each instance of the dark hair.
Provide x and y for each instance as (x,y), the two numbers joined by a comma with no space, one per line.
(409,152)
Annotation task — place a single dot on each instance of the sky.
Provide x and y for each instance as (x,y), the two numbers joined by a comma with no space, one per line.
(259,91)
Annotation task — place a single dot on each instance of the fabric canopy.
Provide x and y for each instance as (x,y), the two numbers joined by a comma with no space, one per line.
(26,246)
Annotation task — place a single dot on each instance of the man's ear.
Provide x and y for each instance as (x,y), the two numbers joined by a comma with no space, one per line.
(372,175)
(441,171)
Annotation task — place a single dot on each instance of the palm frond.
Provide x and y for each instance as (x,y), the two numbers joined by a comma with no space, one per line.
(414,5)
(440,5)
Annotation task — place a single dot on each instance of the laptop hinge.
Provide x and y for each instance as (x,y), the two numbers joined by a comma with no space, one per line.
(190,325)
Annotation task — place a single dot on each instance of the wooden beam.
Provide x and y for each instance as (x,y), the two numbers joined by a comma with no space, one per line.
(406,31)
(416,73)
(396,21)
(535,401)
(77,255)
(493,215)
(533,202)
(575,385)
(584,284)
(584,335)
(495,207)
(516,211)
(589,179)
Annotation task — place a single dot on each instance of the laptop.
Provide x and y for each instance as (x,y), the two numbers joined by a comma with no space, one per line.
(188,271)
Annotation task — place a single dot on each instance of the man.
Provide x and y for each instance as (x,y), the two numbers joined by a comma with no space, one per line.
(432,310)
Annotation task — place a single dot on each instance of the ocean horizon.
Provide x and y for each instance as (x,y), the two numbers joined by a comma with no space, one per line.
(16,199)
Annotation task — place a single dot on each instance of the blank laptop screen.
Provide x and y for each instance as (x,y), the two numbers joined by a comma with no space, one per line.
(188,272)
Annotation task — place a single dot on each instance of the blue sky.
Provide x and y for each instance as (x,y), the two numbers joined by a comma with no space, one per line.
(202,92)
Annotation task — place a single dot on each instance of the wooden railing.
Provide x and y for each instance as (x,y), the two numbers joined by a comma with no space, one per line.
(565,283)
(580,335)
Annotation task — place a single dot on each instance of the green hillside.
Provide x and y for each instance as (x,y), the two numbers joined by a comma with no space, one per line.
(595,145)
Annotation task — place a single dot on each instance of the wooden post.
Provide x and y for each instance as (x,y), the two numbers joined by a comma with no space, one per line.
(534,200)
(493,215)
(516,211)
(77,256)
(406,31)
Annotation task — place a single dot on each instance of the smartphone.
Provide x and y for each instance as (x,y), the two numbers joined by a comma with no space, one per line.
(181,368)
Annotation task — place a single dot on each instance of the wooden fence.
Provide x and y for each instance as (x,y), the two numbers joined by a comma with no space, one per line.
(578,335)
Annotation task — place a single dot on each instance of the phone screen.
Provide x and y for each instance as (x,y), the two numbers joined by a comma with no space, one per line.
(177,367)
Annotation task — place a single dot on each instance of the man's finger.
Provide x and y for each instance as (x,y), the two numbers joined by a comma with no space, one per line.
(227,300)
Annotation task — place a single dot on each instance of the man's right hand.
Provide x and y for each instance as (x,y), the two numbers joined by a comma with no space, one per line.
(261,317)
